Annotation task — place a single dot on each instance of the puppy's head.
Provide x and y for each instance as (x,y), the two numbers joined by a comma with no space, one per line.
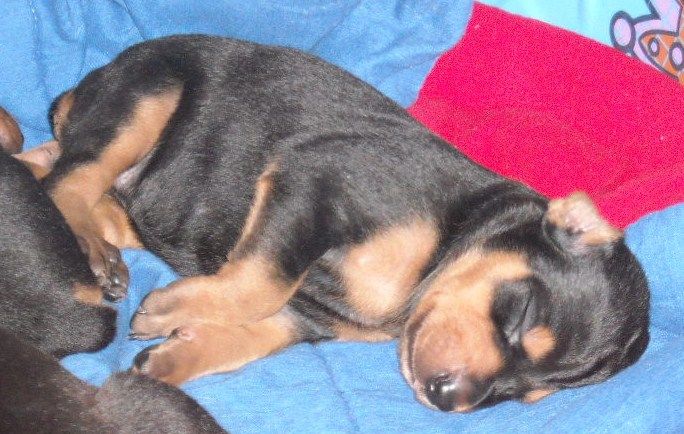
(546,303)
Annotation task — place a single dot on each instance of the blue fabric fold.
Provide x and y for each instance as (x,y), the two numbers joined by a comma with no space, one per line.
(46,47)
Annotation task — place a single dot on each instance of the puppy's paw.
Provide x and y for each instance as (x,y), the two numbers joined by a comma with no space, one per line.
(202,348)
(176,360)
(107,265)
(188,300)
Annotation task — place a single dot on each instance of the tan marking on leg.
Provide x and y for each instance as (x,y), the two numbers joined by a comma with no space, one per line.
(452,329)
(77,193)
(11,138)
(206,348)
(578,214)
(249,287)
(262,193)
(86,184)
(88,294)
(114,225)
(380,275)
(243,291)
(61,113)
(40,159)
(536,395)
(254,285)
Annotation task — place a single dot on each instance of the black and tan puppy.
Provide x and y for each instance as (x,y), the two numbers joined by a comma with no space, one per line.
(39,396)
(307,206)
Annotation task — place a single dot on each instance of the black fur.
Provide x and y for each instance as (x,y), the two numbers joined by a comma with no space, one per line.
(40,318)
(41,263)
(39,396)
(343,172)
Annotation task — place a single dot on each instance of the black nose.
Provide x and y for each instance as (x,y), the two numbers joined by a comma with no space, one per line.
(441,391)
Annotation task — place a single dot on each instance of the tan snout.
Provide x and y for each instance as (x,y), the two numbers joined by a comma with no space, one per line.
(448,350)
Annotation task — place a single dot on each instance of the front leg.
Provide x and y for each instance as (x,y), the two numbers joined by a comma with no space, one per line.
(263,270)
(243,291)
(202,348)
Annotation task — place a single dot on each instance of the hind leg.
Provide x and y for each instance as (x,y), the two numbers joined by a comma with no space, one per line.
(114,225)
(111,220)
(98,145)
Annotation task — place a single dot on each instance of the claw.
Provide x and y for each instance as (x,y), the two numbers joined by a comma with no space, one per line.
(140,359)
(112,296)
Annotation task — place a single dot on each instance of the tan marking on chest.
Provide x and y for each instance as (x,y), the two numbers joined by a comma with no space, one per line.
(538,342)
(536,395)
(380,274)
(350,332)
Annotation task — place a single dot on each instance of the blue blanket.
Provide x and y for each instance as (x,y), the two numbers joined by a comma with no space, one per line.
(357,387)
(46,47)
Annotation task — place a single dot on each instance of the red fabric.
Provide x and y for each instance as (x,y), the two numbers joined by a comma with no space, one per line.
(561,113)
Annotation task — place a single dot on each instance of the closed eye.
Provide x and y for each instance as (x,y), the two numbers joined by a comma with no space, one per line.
(513,329)
(514,310)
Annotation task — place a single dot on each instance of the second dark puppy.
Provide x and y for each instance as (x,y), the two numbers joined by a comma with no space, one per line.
(48,294)
(50,305)
(40,396)
(314,208)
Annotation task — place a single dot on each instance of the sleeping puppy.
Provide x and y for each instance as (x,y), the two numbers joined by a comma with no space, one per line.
(306,206)
(39,396)
(50,305)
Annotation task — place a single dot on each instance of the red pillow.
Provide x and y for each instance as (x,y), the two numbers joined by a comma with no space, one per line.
(561,113)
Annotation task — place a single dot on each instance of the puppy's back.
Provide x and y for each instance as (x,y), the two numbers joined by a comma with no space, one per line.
(42,268)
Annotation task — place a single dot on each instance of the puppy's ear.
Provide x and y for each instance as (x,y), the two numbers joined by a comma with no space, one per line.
(11,138)
(575,223)
(40,159)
